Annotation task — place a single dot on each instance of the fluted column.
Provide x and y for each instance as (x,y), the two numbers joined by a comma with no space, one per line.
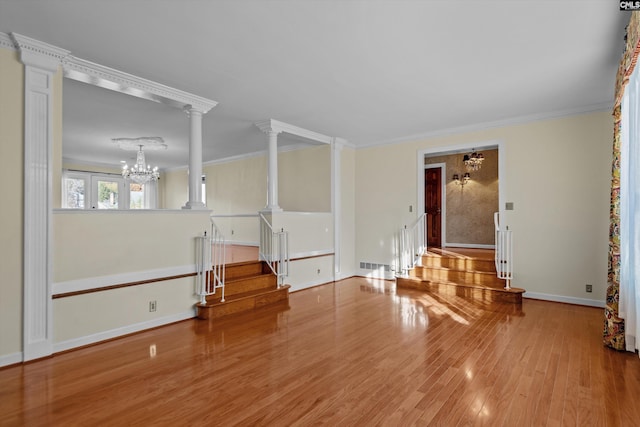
(272,172)
(41,63)
(195,159)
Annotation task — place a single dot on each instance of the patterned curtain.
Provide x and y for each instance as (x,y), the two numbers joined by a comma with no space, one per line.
(613,325)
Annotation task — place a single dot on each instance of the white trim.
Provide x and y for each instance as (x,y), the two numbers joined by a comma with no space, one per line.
(10,359)
(109,78)
(7,43)
(443,198)
(272,125)
(519,120)
(89,283)
(41,62)
(336,201)
(127,211)
(375,274)
(125,330)
(469,246)
(311,284)
(565,299)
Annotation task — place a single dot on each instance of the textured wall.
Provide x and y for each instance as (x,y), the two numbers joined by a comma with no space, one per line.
(469,209)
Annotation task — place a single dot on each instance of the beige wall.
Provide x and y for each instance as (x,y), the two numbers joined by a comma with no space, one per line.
(561,199)
(469,208)
(237,187)
(304,179)
(173,189)
(98,243)
(11,213)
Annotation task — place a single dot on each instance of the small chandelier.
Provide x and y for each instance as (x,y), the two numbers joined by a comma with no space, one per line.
(141,172)
(473,161)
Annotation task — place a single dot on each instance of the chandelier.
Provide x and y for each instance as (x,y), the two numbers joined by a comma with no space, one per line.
(473,161)
(140,172)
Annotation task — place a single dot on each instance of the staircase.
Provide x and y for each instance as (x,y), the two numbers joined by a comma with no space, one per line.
(469,273)
(248,285)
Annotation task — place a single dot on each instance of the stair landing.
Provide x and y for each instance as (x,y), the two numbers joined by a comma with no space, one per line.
(469,273)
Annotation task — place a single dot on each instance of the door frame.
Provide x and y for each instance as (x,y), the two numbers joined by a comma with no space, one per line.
(443,197)
(460,149)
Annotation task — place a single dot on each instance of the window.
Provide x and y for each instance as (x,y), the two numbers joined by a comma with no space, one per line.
(87,190)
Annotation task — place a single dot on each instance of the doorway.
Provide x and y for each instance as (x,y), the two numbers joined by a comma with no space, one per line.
(433,204)
(461,205)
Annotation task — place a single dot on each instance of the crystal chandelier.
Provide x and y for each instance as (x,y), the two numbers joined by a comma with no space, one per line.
(141,172)
(473,161)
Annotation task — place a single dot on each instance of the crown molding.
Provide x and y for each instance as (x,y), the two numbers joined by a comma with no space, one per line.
(6,42)
(593,108)
(272,125)
(109,78)
(39,54)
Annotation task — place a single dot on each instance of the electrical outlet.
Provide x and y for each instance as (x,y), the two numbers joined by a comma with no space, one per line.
(318,271)
(232,232)
(153,305)
(589,288)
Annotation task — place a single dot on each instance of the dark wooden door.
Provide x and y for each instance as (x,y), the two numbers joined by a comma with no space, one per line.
(433,205)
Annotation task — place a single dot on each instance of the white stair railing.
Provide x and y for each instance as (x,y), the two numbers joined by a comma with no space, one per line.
(504,251)
(210,263)
(274,249)
(413,243)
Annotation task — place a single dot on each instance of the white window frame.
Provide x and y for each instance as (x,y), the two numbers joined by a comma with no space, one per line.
(91,190)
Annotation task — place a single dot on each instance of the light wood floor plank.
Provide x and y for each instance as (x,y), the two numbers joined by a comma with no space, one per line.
(353,353)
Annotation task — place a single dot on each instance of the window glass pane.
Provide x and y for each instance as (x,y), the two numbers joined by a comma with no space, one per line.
(107,194)
(136,196)
(74,193)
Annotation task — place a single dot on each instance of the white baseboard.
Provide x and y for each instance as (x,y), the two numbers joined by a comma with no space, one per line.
(11,359)
(118,332)
(567,300)
(376,274)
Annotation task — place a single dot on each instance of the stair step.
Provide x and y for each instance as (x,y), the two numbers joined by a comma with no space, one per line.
(438,274)
(258,282)
(466,290)
(245,269)
(241,303)
(458,263)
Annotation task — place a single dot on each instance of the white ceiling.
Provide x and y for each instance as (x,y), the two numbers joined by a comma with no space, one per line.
(368,71)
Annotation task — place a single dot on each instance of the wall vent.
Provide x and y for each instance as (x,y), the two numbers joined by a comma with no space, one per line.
(374,266)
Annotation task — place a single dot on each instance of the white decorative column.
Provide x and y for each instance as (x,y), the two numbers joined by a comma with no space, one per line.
(336,205)
(195,159)
(272,165)
(41,62)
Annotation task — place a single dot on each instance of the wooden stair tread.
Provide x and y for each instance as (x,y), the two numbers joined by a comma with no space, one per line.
(242,303)
(215,299)
(426,267)
(462,284)
(465,272)
(229,281)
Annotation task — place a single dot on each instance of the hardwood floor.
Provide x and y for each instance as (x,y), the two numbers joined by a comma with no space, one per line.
(352,353)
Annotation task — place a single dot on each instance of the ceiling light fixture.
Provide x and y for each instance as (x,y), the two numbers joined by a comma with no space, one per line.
(140,172)
(473,161)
